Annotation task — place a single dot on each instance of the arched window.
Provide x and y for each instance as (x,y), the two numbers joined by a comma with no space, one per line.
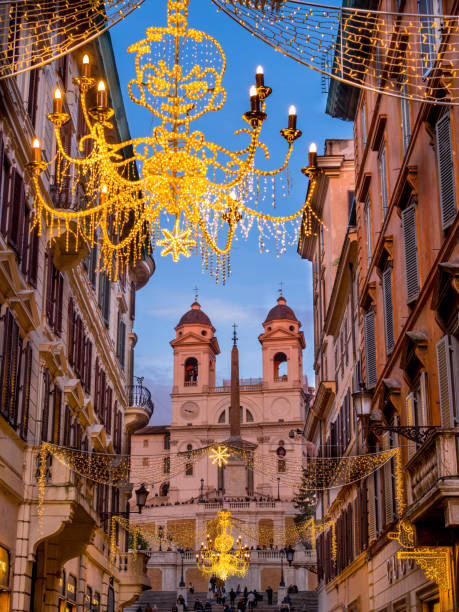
(164,489)
(248,416)
(189,466)
(280,367)
(191,371)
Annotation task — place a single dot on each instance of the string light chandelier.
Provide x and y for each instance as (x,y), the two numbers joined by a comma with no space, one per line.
(33,33)
(221,558)
(411,56)
(200,188)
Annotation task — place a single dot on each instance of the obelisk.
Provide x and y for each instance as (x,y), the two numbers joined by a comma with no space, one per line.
(235,479)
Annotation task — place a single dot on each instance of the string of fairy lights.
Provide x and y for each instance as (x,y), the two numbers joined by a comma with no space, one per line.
(33,33)
(412,56)
(320,474)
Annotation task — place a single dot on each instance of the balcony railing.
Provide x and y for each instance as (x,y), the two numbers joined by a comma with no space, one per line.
(140,396)
(434,465)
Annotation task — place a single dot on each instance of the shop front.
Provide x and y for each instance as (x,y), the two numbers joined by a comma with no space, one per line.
(67,593)
(4,579)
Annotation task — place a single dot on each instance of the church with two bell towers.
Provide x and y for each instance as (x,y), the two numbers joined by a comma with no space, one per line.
(255,415)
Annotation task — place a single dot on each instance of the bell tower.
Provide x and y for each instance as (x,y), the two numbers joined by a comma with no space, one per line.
(195,350)
(282,347)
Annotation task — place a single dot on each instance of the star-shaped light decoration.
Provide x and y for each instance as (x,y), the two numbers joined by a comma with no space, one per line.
(176,243)
(219,455)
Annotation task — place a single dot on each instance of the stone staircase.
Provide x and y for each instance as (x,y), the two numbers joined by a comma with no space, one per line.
(165,600)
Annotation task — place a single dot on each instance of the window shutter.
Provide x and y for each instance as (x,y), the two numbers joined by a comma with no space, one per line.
(88,366)
(24,425)
(34,246)
(424,409)
(410,246)
(371,509)
(46,400)
(50,290)
(59,302)
(32,103)
(445,383)
(132,301)
(25,241)
(70,332)
(409,402)
(388,309)
(445,170)
(67,425)
(8,174)
(15,378)
(57,407)
(370,349)
(387,470)
(16,212)
(96,387)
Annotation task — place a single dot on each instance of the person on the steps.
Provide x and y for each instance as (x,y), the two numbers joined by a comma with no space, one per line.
(191,587)
(232,595)
(269,593)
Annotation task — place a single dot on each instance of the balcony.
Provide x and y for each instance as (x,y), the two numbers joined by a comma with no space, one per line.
(142,271)
(433,487)
(140,407)
(68,251)
(133,576)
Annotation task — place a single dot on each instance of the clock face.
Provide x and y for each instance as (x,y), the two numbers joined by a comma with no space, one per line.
(189,410)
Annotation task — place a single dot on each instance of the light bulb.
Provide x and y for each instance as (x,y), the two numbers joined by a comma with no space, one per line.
(292,110)
(57,101)
(253,91)
(313,147)
(260,70)
(101,95)
(86,68)
(36,150)
(85,58)
(104,189)
(233,194)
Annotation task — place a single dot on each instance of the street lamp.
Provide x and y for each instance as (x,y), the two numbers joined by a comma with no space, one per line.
(288,552)
(278,488)
(362,402)
(182,554)
(201,499)
(141,497)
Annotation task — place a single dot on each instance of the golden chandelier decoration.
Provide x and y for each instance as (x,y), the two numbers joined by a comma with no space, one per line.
(221,558)
(121,192)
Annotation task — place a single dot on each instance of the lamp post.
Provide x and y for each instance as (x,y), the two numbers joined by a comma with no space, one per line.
(201,499)
(182,554)
(141,495)
(282,581)
(278,488)
(288,552)
(160,536)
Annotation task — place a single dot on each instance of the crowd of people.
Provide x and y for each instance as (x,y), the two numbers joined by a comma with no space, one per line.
(210,500)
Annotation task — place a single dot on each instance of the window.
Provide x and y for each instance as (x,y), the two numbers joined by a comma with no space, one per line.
(410,248)
(121,340)
(222,417)
(167,441)
(104,297)
(445,165)
(388,309)
(15,376)
(145,461)
(280,367)
(132,301)
(370,349)
(166,465)
(54,296)
(448,380)
(429,32)
(281,466)
(405,117)
(382,168)
(96,602)
(90,264)
(189,466)
(248,416)
(32,101)
(88,599)
(57,408)
(145,443)
(363,111)
(191,371)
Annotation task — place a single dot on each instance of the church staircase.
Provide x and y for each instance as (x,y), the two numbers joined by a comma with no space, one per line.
(165,600)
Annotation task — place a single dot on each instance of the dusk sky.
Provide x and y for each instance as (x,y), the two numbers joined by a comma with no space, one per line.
(253,286)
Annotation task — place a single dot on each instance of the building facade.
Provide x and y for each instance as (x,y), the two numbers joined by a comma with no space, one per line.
(269,408)
(66,346)
(405,256)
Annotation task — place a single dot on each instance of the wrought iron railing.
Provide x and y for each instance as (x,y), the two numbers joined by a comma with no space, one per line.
(140,396)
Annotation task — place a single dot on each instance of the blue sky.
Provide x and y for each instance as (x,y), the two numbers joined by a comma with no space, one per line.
(253,287)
